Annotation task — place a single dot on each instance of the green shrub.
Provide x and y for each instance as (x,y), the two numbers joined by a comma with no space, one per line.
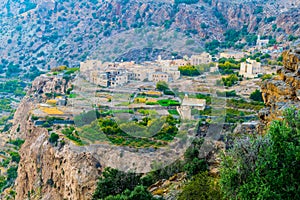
(72,134)
(201,187)
(15,157)
(256,96)
(265,166)
(189,70)
(18,142)
(53,138)
(113,182)
(168,102)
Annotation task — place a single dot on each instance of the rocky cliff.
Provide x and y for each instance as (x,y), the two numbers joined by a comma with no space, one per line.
(283,91)
(54,172)
(48,171)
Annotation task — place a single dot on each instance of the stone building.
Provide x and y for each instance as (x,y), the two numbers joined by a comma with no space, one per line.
(185,110)
(172,71)
(90,65)
(203,58)
(179,62)
(159,76)
(233,54)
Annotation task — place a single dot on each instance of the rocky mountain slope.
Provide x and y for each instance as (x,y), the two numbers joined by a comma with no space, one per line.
(47,33)
(283,91)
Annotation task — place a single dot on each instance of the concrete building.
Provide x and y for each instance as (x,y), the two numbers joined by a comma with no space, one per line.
(101,79)
(140,72)
(250,68)
(118,80)
(203,58)
(110,77)
(194,103)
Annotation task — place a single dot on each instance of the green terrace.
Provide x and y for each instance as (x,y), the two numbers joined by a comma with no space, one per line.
(146,132)
(168,102)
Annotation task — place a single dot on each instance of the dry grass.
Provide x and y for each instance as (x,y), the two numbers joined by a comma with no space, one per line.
(140,100)
(51,102)
(52,111)
(152,100)
(155,93)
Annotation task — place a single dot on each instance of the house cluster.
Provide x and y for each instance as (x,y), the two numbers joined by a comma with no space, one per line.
(118,74)
(115,74)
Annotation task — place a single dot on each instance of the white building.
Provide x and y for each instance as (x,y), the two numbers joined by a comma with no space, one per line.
(250,68)
(261,43)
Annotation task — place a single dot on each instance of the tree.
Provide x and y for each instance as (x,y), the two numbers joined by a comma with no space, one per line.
(193,165)
(15,157)
(292,38)
(256,96)
(266,167)
(162,86)
(113,182)
(12,173)
(201,187)
(230,80)
(189,70)
(53,138)
(210,46)
(3,182)
(139,192)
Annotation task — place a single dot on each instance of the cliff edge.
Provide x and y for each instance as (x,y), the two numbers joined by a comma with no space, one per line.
(283,91)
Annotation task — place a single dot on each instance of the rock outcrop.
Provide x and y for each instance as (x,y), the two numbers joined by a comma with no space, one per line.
(48,171)
(41,86)
(54,172)
(283,91)
(50,84)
